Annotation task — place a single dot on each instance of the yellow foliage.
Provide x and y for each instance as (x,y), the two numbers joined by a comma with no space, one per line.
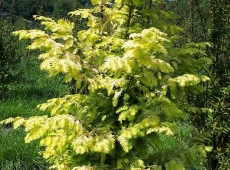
(125,74)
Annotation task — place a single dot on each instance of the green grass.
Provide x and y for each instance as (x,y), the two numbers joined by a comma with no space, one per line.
(33,87)
(21,108)
(16,155)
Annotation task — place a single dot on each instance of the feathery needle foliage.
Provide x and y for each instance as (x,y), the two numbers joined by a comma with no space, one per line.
(131,85)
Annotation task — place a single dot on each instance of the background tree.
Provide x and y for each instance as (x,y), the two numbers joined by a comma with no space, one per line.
(209,21)
(1,6)
(220,88)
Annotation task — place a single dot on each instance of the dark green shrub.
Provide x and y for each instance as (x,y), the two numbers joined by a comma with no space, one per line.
(11,51)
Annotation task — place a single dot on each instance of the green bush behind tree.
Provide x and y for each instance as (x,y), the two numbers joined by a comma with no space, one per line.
(11,52)
(208,20)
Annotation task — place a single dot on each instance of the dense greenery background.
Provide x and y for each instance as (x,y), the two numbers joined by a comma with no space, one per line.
(23,86)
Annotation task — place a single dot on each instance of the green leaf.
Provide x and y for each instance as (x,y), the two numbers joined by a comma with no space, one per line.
(172,165)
